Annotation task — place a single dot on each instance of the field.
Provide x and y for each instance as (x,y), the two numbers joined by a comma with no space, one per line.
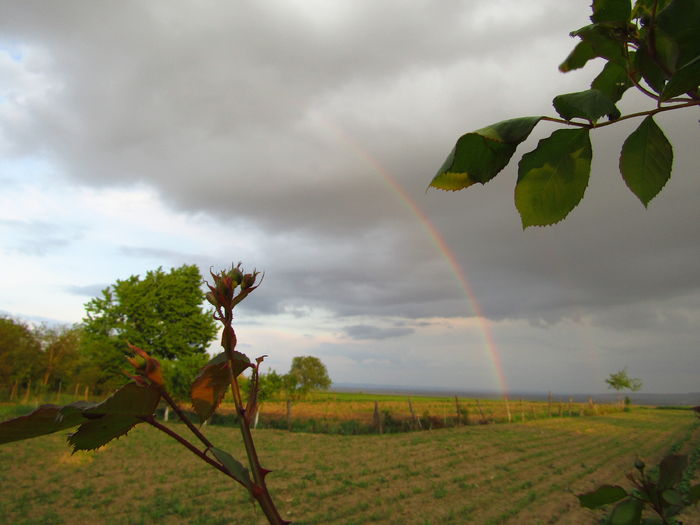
(525,472)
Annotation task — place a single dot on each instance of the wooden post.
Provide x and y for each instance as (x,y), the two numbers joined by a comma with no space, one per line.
(507,409)
(166,413)
(549,403)
(416,419)
(58,394)
(522,410)
(459,412)
(289,415)
(560,408)
(377,418)
(75,392)
(568,410)
(481,412)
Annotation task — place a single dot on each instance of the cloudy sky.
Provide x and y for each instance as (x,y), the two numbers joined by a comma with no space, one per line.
(299,138)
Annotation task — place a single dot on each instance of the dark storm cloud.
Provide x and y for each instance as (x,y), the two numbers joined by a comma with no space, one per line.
(264,114)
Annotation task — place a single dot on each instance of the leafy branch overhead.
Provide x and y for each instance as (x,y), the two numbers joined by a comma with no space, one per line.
(653,47)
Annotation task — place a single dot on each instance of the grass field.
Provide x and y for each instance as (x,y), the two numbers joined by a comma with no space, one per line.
(524,473)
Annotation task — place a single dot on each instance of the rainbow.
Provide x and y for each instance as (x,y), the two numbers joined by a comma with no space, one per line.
(490,346)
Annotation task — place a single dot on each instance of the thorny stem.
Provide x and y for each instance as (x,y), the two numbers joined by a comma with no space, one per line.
(176,408)
(151,421)
(259,491)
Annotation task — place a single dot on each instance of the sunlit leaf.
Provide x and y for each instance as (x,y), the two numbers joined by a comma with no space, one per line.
(603,495)
(553,178)
(611,11)
(646,160)
(234,466)
(44,420)
(684,80)
(671,470)
(590,105)
(627,512)
(210,385)
(480,155)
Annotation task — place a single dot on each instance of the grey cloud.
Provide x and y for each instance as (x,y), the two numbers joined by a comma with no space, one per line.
(365,331)
(36,238)
(88,290)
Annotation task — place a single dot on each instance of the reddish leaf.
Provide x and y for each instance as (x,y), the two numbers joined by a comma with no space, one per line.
(209,387)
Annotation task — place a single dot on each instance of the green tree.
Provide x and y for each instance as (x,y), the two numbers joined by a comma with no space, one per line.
(20,355)
(307,374)
(61,357)
(163,312)
(621,381)
(654,48)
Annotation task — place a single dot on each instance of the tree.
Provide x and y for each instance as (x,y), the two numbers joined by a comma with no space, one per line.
(653,47)
(162,312)
(60,354)
(20,355)
(621,381)
(307,373)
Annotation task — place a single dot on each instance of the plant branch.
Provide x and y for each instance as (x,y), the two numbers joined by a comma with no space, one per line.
(183,417)
(201,455)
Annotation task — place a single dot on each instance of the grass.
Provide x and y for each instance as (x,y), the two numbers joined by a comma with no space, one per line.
(499,474)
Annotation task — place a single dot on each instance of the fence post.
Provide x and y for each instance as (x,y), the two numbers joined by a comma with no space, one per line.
(507,408)
(481,412)
(568,410)
(377,418)
(549,403)
(416,419)
(522,410)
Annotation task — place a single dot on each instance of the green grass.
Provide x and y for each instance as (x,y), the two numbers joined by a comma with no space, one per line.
(500,474)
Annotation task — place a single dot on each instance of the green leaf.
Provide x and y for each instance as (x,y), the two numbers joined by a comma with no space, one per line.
(590,105)
(209,387)
(680,21)
(644,8)
(234,466)
(129,400)
(98,432)
(612,81)
(44,420)
(627,512)
(581,54)
(684,80)
(480,155)
(603,495)
(671,470)
(604,42)
(553,178)
(611,11)
(115,416)
(694,494)
(672,497)
(646,160)
(651,72)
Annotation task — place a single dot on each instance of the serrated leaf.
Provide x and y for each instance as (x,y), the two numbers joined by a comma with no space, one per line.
(209,387)
(611,11)
(590,105)
(98,432)
(46,419)
(684,80)
(603,495)
(646,160)
(553,178)
(671,470)
(480,155)
(234,466)
(612,81)
(694,494)
(627,512)
(129,400)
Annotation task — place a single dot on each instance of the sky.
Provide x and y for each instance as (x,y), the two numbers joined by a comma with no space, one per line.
(299,138)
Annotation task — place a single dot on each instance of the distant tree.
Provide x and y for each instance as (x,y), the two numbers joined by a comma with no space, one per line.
(60,357)
(180,374)
(162,312)
(621,381)
(307,373)
(20,355)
